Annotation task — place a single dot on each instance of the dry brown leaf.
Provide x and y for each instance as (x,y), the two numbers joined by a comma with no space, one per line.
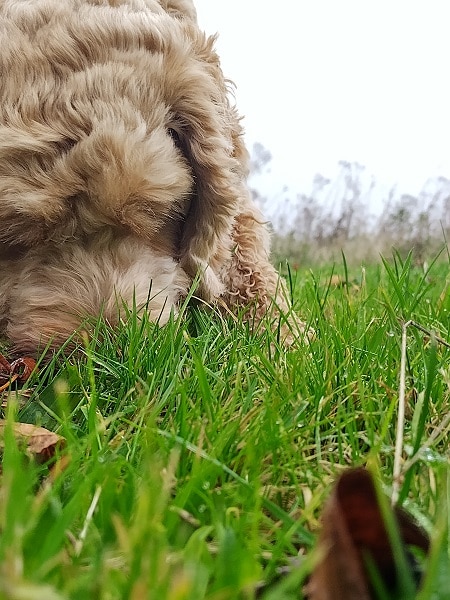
(40,443)
(19,370)
(17,397)
(353,528)
(23,367)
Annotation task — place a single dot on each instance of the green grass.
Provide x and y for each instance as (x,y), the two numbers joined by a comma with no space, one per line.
(202,455)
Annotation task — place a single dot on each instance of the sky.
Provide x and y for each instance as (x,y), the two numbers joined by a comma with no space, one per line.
(320,81)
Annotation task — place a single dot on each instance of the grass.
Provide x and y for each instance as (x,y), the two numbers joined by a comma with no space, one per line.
(201,454)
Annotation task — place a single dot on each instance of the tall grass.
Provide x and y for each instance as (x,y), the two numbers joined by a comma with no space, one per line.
(201,454)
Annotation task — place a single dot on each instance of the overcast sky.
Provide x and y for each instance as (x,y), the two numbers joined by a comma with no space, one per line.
(323,80)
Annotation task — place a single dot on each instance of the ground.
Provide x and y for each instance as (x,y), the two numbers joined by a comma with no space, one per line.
(201,454)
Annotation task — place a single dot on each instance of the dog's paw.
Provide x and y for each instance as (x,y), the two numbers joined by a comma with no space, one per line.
(209,287)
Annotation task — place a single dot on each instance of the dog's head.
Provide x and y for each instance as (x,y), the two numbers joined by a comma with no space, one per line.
(117,117)
(114,118)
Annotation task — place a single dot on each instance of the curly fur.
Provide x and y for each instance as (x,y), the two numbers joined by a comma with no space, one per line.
(122,169)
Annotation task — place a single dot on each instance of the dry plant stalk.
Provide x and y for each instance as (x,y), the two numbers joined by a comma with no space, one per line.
(399,467)
(400,419)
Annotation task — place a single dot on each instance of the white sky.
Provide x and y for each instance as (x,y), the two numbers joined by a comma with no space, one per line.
(323,80)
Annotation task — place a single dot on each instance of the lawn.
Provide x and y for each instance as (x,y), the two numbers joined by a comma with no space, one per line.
(201,454)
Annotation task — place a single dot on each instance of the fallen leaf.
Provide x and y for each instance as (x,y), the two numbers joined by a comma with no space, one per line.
(23,367)
(354,530)
(40,443)
(19,370)
(5,367)
(18,397)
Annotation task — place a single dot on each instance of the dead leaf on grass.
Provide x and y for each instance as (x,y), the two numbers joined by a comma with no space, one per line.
(41,444)
(17,397)
(353,530)
(18,370)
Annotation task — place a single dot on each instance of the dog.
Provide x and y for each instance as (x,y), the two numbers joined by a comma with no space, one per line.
(123,171)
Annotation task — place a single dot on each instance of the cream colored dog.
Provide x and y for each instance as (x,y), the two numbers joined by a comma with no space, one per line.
(122,169)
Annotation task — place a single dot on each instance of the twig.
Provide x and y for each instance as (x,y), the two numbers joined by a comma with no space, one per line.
(429,332)
(9,382)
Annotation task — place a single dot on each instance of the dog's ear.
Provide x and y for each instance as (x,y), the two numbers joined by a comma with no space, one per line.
(212,143)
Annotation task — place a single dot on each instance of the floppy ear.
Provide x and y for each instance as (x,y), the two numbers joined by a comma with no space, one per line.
(207,232)
(214,148)
(206,241)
